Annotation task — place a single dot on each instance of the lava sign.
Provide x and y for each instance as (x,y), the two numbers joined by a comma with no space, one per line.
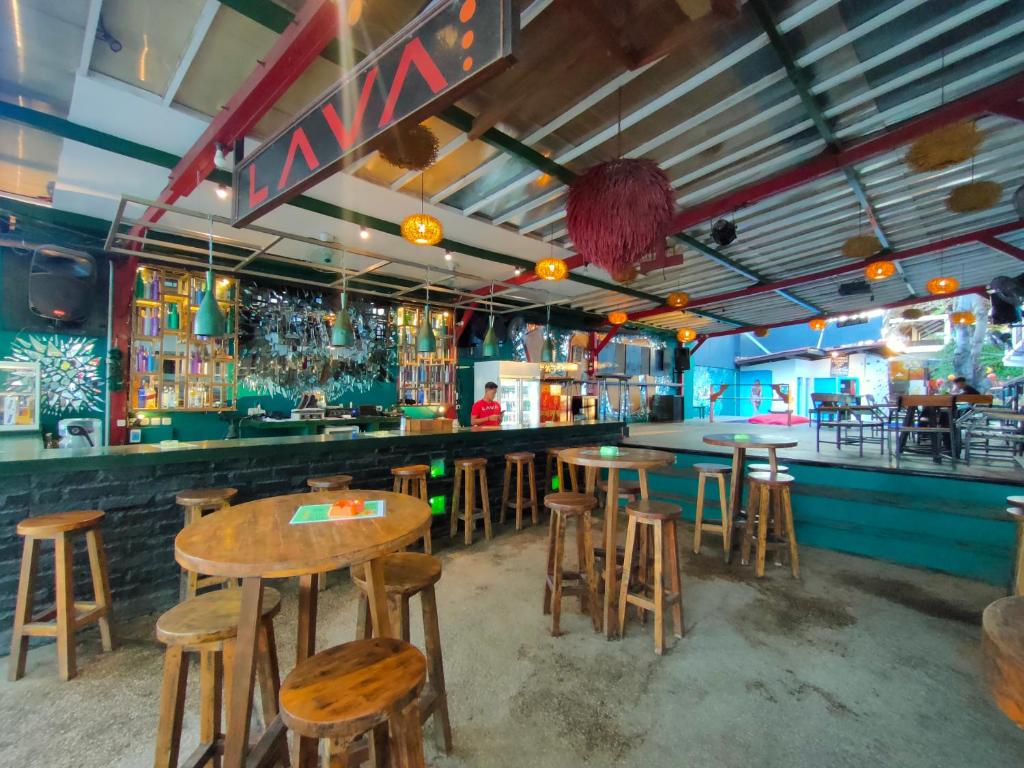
(438,58)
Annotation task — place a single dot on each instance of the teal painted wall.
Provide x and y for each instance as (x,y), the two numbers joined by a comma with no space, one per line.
(943,524)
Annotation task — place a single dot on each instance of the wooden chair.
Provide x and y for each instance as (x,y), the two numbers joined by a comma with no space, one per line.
(412,481)
(653,520)
(583,581)
(1015,509)
(329,483)
(936,409)
(207,626)
(407,574)
(68,615)
(724,525)
(522,462)
(469,473)
(354,689)
(770,506)
(196,502)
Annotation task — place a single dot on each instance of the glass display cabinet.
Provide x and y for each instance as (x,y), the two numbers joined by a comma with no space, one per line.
(19,397)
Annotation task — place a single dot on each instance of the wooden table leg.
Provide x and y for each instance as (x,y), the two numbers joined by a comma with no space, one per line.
(236,743)
(739,457)
(611,515)
(305,750)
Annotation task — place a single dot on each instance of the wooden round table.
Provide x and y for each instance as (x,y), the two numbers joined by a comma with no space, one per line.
(639,459)
(253,542)
(741,442)
(1002,640)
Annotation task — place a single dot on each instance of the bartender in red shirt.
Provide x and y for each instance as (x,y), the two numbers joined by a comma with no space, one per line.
(487,411)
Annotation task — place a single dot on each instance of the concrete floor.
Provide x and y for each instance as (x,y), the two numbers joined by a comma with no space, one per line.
(859,663)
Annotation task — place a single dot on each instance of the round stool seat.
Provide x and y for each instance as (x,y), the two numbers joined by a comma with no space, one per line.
(210,617)
(200,497)
(569,502)
(1015,501)
(351,688)
(653,510)
(405,573)
(470,463)
(519,456)
(330,483)
(61,522)
(767,468)
(713,469)
(1016,512)
(767,478)
(626,487)
(412,470)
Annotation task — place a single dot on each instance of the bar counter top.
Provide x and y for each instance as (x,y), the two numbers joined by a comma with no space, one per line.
(18,458)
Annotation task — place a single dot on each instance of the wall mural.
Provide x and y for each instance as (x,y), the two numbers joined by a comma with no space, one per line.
(69,369)
(285,344)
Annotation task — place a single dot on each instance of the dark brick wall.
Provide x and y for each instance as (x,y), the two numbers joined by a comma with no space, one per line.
(142,518)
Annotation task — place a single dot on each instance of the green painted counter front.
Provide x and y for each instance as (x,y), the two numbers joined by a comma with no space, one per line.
(135,486)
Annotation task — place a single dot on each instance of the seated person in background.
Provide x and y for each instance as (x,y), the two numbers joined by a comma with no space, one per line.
(961,387)
(487,411)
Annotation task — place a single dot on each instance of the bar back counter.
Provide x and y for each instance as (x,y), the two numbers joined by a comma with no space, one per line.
(135,486)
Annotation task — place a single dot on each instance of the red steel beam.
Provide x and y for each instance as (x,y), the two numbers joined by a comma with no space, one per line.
(314,26)
(970,237)
(607,337)
(1001,96)
(1013,110)
(999,245)
(977,289)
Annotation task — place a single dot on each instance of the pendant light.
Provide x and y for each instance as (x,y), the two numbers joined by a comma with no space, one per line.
(547,349)
(422,228)
(342,334)
(426,342)
(490,348)
(210,319)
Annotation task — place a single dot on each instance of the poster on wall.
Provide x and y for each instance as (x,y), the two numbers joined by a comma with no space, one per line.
(840,365)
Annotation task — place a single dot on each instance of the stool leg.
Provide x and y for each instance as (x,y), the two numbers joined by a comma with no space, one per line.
(533,494)
(659,589)
(700,514)
(762,529)
(519,496)
(456,497)
(560,468)
(23,608)
(581,562)
(67,665)
(399,608)
(172,708)
(267,671)
(556,574)
(748,531)
(787,508)
(723,502)
(593,602)
(485,503)
(504,491)
(407,737)
(470,502)
(777,521)
(435,669)
(100,584)
(549,574)
(364,625)
(211,688)
(643,534)
(627,568)
(398,485)
(675,579)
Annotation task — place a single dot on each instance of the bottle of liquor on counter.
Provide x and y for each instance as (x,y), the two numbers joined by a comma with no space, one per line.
(154,322)
(140,285)
(154,288)
(173,319)
(140,395)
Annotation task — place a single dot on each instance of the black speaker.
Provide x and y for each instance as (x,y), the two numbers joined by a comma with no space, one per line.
(61,284)
(682,360)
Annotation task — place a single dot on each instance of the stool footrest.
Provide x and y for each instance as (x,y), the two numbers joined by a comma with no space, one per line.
(43,625)
(635,598)
(204,753)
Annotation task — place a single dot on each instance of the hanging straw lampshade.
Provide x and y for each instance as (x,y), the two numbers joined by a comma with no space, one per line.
(818,324)
(943,147)
(940,286)
(882,269)
(686,334)
(912,314)
(413,148)
(617,318)
(761,333)
(861,247)
(974,196)
(962,318)
(422,229)
(210,320)
(551,268)
(677,299)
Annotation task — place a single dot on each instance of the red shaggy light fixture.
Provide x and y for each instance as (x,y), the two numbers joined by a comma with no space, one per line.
(617,213)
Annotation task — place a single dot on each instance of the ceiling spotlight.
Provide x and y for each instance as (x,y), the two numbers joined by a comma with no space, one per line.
(223,192)
(518,271)
(364,233)
(220,159)
(447,255)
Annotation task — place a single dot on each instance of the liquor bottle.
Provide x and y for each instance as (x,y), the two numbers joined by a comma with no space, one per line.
(140,396)
(173,320)
(154,288)
(154,322)
(140,285)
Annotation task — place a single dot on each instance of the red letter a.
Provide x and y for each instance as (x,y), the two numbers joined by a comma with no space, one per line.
(299,141)
(414,53)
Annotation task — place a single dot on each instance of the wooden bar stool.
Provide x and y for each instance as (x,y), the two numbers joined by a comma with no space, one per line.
(653,520)
(1015,510)
(197,502)
(770,506)
(564,507)
(329,483)
(468,473)
(407,574)
(68,615)
(349,690)
(207,626)
(412,481)
(719,472)
(522,462)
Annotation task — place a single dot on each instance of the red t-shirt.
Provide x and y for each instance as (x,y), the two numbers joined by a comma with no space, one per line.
(487,408)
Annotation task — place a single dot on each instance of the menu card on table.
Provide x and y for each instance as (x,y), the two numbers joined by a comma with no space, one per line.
(344,509)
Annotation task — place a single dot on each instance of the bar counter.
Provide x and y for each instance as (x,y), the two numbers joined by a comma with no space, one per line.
(135,486)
